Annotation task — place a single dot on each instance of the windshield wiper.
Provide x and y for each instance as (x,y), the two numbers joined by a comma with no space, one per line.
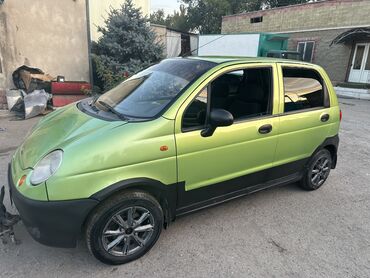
(111,109)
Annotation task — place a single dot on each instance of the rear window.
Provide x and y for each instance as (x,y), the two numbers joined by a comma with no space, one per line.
(303,89)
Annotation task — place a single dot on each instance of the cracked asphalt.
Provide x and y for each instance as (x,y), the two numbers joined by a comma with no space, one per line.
(280,232)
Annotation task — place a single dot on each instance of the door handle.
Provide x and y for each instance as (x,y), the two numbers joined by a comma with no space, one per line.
(265,129)
(324,118)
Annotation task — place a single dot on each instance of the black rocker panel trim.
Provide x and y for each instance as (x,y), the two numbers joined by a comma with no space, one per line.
(236,194)
(217,193)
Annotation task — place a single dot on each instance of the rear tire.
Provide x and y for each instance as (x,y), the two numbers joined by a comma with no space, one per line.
(124,227)
(318,170)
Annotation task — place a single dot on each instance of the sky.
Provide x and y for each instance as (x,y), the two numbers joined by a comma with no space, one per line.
(167,5)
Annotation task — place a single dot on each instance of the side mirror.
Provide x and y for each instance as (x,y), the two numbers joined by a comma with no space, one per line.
(217,118)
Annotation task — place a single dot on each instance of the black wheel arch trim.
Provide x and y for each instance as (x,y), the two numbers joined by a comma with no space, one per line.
(331,144)
(165,194)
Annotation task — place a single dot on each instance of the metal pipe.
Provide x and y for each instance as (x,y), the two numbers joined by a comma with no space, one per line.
(89,42)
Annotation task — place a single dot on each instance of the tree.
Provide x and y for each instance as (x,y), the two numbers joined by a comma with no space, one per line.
(126,46)
(159,17)
(205,16)
(281,3)
(239,6)
(178,20)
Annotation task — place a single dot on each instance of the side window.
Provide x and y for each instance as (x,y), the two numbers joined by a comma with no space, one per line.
(303,89)
(196,114)
(252,97)
(245,93)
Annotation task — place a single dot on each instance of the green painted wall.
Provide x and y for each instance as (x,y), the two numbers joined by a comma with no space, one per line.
(272,42)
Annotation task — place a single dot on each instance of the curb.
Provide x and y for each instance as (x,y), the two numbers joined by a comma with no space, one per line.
(352,93)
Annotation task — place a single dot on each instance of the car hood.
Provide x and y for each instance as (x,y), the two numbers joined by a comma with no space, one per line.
(58,129)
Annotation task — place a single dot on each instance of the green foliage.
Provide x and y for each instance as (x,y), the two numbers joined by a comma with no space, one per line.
(178,20)
(205,16)
(106,77)
(126,46)
(159,17)
(281,3)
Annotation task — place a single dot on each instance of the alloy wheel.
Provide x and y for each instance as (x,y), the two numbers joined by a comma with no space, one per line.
(320,171)
(128,231)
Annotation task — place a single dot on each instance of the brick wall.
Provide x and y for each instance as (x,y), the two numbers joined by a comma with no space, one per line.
(324,14)
(334,59)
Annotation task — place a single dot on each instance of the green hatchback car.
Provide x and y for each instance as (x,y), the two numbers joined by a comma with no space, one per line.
(182,135)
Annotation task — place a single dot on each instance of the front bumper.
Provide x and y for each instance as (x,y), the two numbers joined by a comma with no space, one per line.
(56,223)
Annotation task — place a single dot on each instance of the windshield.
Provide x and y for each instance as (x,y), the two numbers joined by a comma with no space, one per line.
(147,93)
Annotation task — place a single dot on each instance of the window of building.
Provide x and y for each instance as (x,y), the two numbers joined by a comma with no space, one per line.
(359,56)
(303,89)
(256,19)
(367,66)
(306,49)
(244,93)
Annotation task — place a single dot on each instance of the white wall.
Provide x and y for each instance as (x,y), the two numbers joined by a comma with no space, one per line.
(229,45)
(50,35)
(173,43)
(194,39)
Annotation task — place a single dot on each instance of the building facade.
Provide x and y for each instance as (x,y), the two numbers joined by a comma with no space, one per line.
(334,34)
(99,11)
(52,35)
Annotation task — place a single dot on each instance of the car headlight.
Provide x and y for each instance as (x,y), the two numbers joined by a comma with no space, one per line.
(46,167)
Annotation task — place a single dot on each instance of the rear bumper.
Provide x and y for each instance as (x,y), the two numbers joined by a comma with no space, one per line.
(55,223)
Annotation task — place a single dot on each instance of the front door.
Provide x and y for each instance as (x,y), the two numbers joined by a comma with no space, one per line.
(209,167)
(360,69)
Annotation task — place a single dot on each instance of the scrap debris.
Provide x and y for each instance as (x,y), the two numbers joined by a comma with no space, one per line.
(7,221)
(29,79)
(36,92)
(35,103)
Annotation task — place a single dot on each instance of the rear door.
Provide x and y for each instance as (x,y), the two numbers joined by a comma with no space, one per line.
(305,117)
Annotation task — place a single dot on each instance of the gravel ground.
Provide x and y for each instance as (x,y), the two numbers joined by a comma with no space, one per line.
(281,232)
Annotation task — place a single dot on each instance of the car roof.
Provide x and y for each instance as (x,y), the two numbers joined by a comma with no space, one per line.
(225,59)
(283,51)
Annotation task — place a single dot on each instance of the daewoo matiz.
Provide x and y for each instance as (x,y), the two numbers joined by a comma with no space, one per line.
(179,136)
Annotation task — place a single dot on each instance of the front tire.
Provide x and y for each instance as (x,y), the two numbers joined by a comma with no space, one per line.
(124,227)
(317,171)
